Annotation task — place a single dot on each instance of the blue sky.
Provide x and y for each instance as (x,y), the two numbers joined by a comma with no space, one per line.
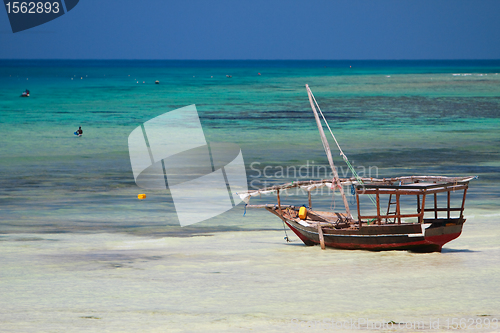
(263,29)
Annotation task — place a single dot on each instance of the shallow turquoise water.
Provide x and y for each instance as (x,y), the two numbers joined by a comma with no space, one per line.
(399,118)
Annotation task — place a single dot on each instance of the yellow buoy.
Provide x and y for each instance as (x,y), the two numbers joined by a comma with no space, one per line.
(302,213)
(141,196)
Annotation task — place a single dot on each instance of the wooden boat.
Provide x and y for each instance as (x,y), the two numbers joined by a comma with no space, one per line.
(423,228)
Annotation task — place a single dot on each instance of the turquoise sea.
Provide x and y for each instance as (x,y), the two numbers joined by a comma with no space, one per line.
(80,252)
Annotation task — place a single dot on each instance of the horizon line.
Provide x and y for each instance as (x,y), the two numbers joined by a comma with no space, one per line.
(139,59)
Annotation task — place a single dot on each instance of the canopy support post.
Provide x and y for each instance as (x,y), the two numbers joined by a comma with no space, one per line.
(378,206)
(435,206)
(359,210)
(398,207)
(422,211)
(449,202)
(463,203)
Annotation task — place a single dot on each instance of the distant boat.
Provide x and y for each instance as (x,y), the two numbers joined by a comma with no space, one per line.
(157,82)
(425,229)
(25,93)
(229,76)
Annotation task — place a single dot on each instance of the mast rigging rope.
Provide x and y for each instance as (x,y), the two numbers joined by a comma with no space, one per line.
(355,174)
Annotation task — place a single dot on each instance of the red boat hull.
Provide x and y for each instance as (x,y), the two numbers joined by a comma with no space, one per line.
(412,237)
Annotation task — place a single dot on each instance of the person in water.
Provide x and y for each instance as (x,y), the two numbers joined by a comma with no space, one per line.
(79,131)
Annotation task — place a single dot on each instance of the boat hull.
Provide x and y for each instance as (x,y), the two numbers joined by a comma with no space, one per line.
(427,237)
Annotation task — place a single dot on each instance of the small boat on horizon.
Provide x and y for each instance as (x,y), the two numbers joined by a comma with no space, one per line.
(25,93)
(396,226)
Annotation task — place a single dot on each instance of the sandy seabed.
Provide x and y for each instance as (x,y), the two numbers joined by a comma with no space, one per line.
(240,282)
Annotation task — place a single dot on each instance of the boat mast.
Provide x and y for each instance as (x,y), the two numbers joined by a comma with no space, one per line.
(336,179)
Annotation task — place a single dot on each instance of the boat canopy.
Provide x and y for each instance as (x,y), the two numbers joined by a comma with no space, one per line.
(365,185)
